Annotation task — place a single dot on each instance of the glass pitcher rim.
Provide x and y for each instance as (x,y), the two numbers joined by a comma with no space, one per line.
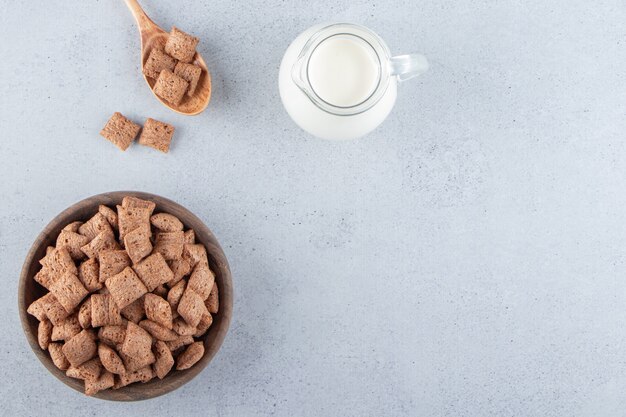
(300,75)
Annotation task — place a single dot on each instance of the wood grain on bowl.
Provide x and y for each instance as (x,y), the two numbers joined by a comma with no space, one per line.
(29,291)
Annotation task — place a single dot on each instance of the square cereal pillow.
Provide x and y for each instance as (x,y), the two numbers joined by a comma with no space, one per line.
(157,135)
(170,87)
(181,45)
(190,73)
(120,131)
(158,61)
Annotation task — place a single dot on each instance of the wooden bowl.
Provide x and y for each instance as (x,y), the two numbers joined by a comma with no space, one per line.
(29,291)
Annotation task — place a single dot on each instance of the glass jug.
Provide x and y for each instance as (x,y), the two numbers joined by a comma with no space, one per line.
(339,81)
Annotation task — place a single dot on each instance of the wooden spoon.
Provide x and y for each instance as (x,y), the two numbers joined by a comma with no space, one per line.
(153,36)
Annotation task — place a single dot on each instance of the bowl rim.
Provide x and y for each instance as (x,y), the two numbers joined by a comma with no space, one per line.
(212,340)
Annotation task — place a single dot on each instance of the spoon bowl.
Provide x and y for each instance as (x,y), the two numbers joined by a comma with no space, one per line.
(153,36)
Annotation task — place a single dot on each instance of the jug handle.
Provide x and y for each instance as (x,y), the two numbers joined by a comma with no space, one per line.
(405,67)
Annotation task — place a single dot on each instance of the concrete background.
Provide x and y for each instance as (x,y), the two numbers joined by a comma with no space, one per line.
(467,258)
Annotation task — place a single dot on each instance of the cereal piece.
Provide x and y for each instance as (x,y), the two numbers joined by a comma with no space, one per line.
(112,335)
(120,131)
(190,237)
(125,287)
(181,327)
(201,280)
(105,381)
(69,328)
(205,322)
(195,253)
(134,363)
(45,277)
(104,311)
(112,262)
(180,268)
(170,87)
(69,291)
(213,302)
(110,359)
(154,271)
(135,202)
(144,374)
(88,274)
(191,307)
(57,356)
(72,242)
(108,214)
(157,331)
(190,356)
(166,222)
(170,244)
(37,308)
(53,309)
(190,73)
(131,218)
(80,348)
(158,61)
(55,264)
(178,343)
(138,244)
(105,240)
(175,293)
(73,227)
(164,359)
(158,310)
(84,314)
(134,311)
(137,343)
(94,226)
(89,371)
(161,291)
(44,333)
(181,45)
(157,135)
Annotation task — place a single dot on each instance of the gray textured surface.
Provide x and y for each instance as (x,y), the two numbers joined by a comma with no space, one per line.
(468,258)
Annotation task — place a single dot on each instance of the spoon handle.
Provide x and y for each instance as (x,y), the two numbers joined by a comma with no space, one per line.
(143,21)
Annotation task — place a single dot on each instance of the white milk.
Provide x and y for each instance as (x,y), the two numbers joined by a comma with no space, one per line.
(343,71)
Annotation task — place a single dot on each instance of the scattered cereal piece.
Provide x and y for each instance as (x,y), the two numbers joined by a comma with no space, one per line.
(158,61)
(94,226)
(190,73)
(157,135)
(154,271)
(69,328)
(103,382)
(120,131)
(190,356)
(138,244)
(44,333)
(213,302)
(88,274)
(166,222)
(104,311)
(105,240)
(181,45)
(164,359)
(108,214)
(201,280)
(170,244)
(157,331)
(112,335)
(84,314)
(205,322)
(134,311)
(80,348)
(69,291)
(72,242)
(174,295)
(158,310)
(110,359)
(170,87)
(125,287)
(191,307)
(112,262)
(57,356)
